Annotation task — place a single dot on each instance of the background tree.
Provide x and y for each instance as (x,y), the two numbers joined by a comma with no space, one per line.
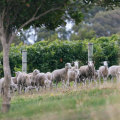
(101,23)
(82,32)
(106,23)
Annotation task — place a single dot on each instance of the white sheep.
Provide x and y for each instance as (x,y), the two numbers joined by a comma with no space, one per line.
(112,71)
(23,81)
(49,75)
(73,75)
(87,72)
(103,71)
(41,80)
(61,74)
(13,87)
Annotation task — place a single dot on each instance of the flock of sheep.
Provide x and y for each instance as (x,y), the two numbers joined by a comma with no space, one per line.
(25,82)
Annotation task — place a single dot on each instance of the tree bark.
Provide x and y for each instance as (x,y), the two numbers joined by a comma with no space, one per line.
(7,76)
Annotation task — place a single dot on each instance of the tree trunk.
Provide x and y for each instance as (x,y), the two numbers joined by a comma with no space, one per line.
(7,77)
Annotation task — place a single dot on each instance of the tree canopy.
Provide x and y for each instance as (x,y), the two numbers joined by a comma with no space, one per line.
(18,14)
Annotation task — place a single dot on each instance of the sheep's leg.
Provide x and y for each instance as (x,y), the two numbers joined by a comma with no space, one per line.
(75,83)
(30,89)
(26,89)
(19,89)
(99,80)
(68,82)
(117,77)
(63,84)
(85,82)
(45,87)
(104,80)
(95,81)
(103,77)
(89,80)
(37,88)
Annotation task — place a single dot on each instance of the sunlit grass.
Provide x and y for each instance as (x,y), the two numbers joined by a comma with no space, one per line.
(90,102)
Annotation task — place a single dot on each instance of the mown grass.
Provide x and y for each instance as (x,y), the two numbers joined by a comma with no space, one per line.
(88,103)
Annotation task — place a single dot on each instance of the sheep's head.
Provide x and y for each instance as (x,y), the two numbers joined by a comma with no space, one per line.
(68,65)
(35,72)
(76,64)
(105,63)
(90,63)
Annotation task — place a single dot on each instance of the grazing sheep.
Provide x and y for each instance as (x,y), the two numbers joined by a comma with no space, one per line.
(42,80)
(61,74)
(112,71)
(87,72)
(103,71)
(23,81)
(73,75)
(30,75)
(49,75)
(13,87)
(35,72)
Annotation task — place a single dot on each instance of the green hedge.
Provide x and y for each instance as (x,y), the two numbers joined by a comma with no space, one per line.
(48,56)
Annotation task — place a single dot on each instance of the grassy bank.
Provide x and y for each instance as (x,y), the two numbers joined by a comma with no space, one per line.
(93,103)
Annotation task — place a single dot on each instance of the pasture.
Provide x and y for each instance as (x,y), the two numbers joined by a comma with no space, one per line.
(81,103)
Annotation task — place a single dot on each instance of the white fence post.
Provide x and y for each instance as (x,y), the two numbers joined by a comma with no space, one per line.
(90,51)
(24,61)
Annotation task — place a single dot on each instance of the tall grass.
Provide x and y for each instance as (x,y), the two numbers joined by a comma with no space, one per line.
(92,103)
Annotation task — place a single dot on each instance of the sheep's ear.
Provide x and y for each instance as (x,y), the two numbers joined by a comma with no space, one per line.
(94,62)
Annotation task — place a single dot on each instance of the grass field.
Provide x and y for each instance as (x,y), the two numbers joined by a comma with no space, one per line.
(88,103)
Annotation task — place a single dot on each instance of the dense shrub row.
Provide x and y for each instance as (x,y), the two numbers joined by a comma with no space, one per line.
(47,56)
